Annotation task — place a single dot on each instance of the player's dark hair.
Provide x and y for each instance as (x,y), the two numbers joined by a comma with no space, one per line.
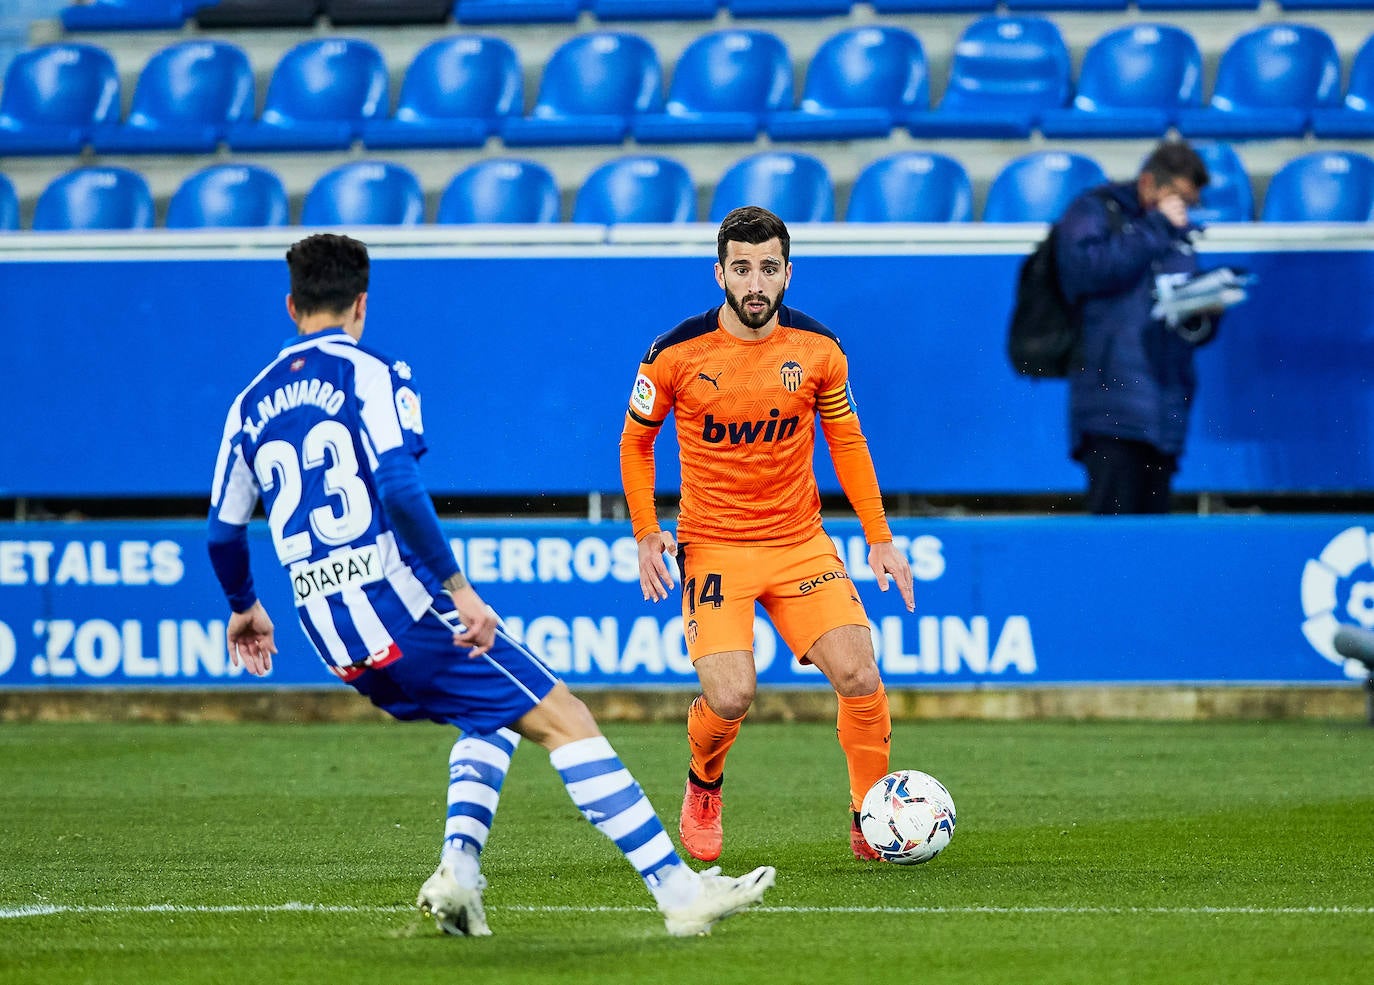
(752,224)
(1176,159)
(328,272)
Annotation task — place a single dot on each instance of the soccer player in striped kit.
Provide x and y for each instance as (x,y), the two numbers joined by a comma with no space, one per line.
(746,382)
(329,435)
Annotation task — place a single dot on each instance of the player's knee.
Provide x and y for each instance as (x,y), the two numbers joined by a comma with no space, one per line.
(857,678)
(559,719)
(731,702)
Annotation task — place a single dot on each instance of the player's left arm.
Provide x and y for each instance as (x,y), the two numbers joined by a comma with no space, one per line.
(859,480)
(391,415)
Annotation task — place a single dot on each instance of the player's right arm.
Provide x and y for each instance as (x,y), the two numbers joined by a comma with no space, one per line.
(650,402)
(234,495)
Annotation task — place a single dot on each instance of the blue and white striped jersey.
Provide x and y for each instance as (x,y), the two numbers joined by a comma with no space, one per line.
(309,436)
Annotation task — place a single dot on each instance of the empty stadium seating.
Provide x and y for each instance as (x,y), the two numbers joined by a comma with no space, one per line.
(912,187)
(1269,81)
(456,92)
(591,88)
(365,193)
(796,187)
(1328,186)
(257,13)
(500,190)
(637,188)
(861,82)
(515,11)
(186,97)
(95,198)
(1228,196)
(9,205)
(346,12)
(1005,71)
(724,84)
(1039,186)
(1354,118)
(124,15)
(54,95)
(1132,82)
(320,94)
(228,195)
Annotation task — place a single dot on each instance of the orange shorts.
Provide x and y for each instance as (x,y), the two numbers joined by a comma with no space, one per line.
(803,587)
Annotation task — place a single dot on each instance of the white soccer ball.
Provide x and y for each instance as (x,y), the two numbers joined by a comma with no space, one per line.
(907,817)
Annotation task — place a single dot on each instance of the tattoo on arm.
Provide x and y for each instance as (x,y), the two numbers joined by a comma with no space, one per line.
(456,582)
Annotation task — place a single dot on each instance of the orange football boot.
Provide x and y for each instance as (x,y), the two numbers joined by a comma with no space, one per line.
(699,825)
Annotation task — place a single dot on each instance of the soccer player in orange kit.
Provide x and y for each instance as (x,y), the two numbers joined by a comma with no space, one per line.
(747,380)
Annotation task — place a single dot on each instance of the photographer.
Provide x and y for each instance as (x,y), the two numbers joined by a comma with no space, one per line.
(1132,386)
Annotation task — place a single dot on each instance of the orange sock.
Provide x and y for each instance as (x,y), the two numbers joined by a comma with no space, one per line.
(710,737)
(864,725)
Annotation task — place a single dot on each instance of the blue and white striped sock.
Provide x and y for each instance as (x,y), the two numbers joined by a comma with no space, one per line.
(610,798)
(477,767)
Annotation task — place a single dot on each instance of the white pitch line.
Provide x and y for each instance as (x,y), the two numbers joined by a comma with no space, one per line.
(56,909)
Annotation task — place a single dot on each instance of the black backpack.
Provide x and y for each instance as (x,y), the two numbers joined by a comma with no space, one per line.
(1043,335)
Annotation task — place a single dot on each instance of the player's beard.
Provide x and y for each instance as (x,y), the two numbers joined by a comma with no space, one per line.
(751,320)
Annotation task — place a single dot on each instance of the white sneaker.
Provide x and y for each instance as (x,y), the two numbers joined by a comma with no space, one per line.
(720,897)
(456,909)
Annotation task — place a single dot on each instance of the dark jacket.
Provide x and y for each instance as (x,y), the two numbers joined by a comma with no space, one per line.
(1135,378)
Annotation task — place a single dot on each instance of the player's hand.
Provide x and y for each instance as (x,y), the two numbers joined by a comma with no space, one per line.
(479,622)
(886,561)
(1175,209)
(655,577)
(251,641)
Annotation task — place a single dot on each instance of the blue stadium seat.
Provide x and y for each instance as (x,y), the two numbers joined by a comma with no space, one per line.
(9,205)
(592,86)
(365,193)
(654,10)
(1005,72)
(723,84)
(123,15)
(95,198)
(319,95)
(1339,5)
(342,13)
(1060,6)
(186,97)
(515,11)
(1039,186)
(1227,196)
(860,83)
(796,187)
(1132,83)
(1328,186)
(500,190)
(455,93)
(53,96)
(788,8)
(228,195)
(1355,117)
(934,6)
(911,187)
(1197,6)
(637,189)
(1269,81)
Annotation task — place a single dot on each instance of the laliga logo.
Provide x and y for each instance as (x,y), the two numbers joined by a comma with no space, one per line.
(1337,590)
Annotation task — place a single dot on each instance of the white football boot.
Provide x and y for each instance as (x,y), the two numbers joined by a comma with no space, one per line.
(720,897)
(456,909)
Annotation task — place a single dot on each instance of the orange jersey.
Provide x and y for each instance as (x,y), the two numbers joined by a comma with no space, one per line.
(746,423)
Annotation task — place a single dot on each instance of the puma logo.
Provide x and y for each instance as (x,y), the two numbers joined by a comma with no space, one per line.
(713,382)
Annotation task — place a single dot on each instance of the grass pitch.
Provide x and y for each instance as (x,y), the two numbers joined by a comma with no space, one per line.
(1085,853)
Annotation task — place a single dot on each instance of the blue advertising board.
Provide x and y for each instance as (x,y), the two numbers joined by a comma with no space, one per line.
(530,358)
(1000,602)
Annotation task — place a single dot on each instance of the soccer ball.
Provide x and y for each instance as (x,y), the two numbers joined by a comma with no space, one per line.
(907,817)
